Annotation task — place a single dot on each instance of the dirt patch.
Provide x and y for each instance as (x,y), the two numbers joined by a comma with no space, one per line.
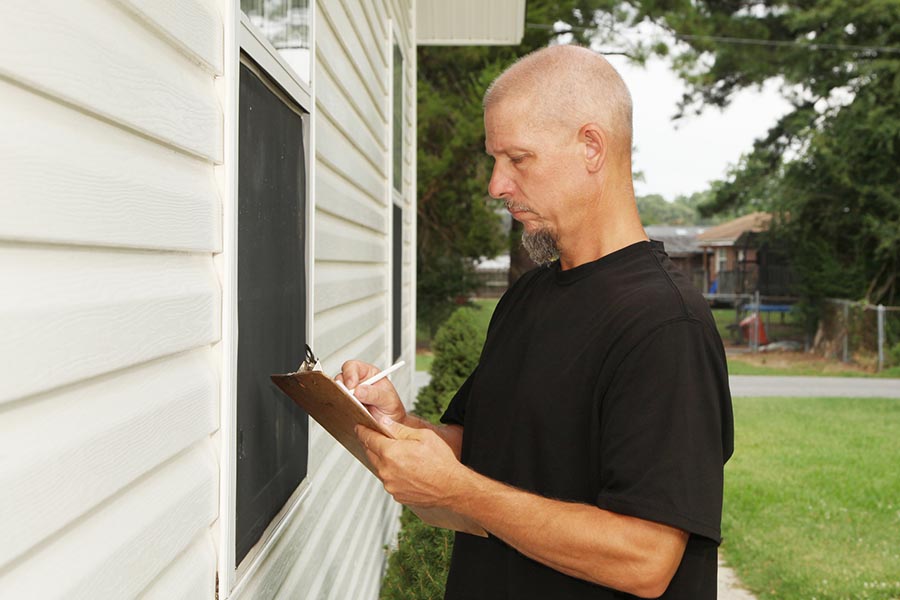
(796,361)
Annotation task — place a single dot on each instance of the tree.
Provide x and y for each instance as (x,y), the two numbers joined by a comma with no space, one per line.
(830,169)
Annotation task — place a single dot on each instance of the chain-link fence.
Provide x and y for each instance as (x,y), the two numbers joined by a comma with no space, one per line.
(858,332)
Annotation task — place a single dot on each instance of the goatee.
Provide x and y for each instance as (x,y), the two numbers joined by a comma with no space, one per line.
(541,246)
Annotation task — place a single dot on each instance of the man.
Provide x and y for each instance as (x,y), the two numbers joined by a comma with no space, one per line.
(590,440)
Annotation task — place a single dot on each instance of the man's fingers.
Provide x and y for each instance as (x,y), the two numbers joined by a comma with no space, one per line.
(400,431)
(371,440)
(354,371)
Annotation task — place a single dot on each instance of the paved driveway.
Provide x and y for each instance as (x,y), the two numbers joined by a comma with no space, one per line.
(841,387)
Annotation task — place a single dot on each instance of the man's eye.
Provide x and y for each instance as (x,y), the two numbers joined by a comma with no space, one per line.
(516,159)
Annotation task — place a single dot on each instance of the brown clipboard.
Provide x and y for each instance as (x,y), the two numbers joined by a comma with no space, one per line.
(338,412)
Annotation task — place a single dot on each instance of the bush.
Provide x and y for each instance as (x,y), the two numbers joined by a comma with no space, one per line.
(417,570)
(456,346)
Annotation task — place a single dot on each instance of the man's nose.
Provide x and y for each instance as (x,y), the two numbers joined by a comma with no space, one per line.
(500,185)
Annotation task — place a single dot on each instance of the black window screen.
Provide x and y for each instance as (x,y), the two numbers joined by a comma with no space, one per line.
(272,431)
(397,289)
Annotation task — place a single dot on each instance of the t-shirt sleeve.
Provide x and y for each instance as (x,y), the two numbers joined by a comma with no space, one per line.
(665,430)
(456,409)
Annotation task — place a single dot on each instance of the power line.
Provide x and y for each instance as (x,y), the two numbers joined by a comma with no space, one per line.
(744,41)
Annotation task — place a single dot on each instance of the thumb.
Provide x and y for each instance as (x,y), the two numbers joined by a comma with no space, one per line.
(398,430)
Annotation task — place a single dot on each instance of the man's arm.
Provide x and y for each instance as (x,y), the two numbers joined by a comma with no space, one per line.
(626,553)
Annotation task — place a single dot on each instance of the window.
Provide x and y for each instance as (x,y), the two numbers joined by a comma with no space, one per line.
(398,119)
(397,241)
(397,284)
(286,24)
(272,432)
(721,260)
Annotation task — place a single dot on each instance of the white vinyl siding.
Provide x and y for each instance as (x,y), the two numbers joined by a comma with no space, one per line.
(110,216)
(117,163)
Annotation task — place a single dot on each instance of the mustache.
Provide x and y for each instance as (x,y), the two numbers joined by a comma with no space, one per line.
(515,206)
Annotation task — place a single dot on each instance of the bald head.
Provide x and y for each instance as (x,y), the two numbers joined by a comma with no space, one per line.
(568,85)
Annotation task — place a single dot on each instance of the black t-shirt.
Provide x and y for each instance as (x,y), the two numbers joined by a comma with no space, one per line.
(605,384)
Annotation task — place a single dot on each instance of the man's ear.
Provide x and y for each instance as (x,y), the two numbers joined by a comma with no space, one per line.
(596,146)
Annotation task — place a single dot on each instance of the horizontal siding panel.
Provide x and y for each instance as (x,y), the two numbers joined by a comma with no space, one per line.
(376,23)
(192,26)
(337,196)
(88,53)
(191,576)
(338,284)
(357,504)
(355,581)
(333,16)
(338,240)
(331,100)
(64,453)
(339,509)
(68,313)
(370,347)
(330,54)
(358,39)
(70,178)
(338,327)
(116,551)
(346,159)
(282,562)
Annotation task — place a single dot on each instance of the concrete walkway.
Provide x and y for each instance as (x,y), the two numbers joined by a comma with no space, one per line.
(834,387)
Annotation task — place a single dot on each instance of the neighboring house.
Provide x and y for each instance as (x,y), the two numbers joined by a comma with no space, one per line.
(191,192)
(493,276)
(740,260)
(683,248)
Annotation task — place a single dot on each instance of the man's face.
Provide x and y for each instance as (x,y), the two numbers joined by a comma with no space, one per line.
(535,168)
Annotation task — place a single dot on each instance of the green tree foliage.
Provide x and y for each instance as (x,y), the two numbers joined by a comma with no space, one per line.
(457,222)
(829,169)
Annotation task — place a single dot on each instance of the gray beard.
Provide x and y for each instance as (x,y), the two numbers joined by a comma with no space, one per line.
(540,246)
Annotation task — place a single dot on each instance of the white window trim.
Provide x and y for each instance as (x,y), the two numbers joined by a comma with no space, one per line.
(242,35)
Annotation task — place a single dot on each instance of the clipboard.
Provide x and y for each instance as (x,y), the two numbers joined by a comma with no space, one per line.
(338,412)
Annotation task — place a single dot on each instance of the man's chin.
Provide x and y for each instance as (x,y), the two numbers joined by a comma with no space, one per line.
(540,244)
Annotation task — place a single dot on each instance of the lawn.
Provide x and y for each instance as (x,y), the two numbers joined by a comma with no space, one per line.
(812,498)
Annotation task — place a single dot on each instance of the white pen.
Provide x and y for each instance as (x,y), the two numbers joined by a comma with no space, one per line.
(381,375)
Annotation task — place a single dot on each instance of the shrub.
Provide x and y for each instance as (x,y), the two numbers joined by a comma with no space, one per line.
(417,569)
(457,345)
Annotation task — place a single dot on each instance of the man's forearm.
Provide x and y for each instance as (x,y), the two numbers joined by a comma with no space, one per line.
(625,553)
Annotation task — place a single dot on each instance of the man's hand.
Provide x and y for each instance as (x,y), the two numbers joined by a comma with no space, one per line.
(381,398)
(417,468)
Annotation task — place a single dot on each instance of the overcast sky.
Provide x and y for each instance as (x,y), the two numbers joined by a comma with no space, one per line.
(683,157)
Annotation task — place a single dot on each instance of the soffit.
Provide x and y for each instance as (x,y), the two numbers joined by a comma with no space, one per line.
(470,22)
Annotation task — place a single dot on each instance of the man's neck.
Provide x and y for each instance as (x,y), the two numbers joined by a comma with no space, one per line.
(611,226)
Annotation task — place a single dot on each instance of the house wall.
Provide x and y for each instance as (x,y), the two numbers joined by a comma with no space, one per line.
(110,215)
(333,544)
(111,239)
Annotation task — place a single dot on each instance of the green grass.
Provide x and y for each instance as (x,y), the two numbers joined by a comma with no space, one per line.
(812,498)
(424,358)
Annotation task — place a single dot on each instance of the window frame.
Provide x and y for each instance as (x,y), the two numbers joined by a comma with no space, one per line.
(397,195)
(242,37)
